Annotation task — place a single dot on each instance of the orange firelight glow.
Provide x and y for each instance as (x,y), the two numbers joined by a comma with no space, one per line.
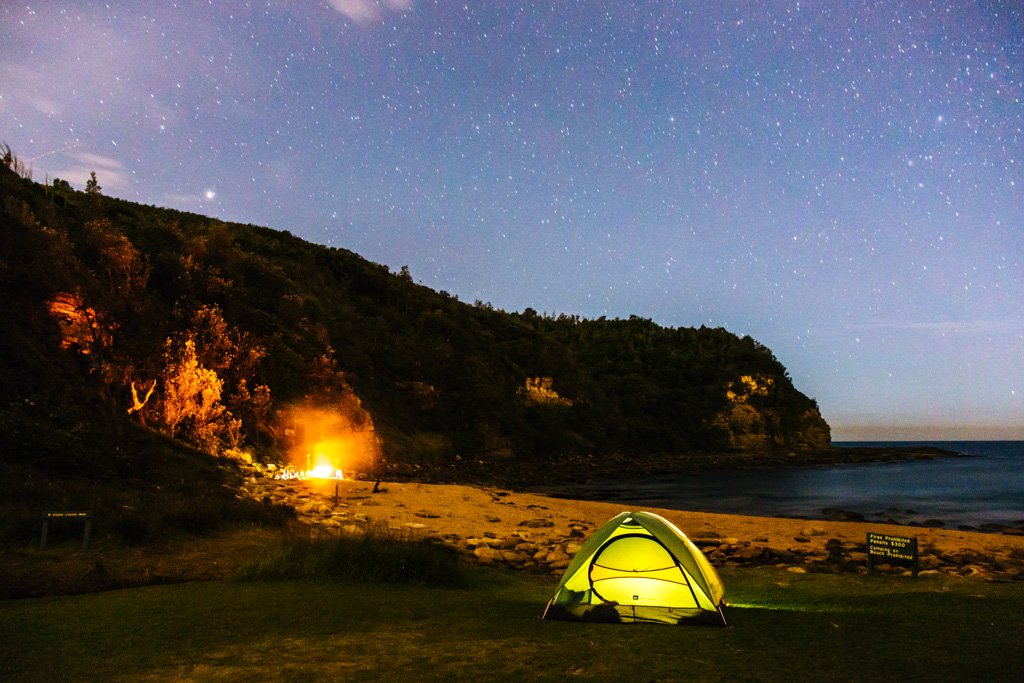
(325,472)
(326,443)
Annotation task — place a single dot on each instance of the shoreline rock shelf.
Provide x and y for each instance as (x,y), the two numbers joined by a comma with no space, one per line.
(528,532)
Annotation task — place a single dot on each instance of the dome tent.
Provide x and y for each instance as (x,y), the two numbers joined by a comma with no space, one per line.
(639,567)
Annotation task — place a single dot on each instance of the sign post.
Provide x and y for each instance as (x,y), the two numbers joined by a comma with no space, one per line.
(86,535)
(889,549)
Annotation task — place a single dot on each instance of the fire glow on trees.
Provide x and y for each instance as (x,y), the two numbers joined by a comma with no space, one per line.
(324,442)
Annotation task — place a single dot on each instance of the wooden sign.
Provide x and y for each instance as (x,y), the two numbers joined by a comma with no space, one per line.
(888,549)
(84,516)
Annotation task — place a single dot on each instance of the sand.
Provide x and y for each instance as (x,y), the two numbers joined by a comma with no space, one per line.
(447,511)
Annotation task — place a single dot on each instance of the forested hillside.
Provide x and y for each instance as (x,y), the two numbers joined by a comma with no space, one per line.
(248,341)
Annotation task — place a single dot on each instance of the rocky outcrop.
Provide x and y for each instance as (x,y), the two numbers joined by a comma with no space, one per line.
(751,422)
(748,428)
(812,431)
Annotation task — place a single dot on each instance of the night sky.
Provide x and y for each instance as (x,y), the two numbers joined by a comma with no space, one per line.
(842,181)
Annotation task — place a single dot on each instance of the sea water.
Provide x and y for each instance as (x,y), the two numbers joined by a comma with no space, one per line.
(986,486)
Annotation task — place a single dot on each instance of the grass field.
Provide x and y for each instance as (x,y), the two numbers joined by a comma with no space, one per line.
(783,627)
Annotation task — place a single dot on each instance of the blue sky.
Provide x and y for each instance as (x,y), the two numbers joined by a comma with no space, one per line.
(841,181)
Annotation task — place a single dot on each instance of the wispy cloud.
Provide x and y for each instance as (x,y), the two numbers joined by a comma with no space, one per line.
(993,326)
(365,11)
(109,171)
(22,83)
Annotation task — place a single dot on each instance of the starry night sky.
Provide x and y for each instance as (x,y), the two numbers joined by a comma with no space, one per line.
(843,181)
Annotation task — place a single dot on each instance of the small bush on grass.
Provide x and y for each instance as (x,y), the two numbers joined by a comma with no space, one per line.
(377,554)
(154,519)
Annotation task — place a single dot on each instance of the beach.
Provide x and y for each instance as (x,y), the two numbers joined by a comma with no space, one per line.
(494,527)
(539,533)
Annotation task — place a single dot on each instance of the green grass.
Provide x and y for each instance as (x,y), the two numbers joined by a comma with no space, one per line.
(783,627)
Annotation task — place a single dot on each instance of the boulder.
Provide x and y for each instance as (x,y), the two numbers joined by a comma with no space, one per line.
(557,556)
(486,555)
(538,523)
(514,557)
(749,554)
(972,570)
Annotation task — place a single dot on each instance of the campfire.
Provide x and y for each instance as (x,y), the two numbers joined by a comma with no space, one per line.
(320,463)
(318,472)
(324,444)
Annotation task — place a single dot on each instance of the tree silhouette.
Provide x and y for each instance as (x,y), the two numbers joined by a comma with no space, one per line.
(92,186)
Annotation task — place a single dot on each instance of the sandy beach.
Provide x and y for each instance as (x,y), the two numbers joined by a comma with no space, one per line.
(472,517)
(494,527)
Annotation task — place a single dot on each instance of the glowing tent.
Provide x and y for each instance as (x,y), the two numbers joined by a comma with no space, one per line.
(639,568)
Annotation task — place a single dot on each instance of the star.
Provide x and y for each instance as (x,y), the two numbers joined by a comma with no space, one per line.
(778,182)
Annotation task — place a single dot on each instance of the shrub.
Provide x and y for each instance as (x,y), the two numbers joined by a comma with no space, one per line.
(378,554)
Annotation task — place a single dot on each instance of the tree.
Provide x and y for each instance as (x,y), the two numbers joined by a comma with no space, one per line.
(125,267)
(223,347)
(254,410)
(11,161)
(208,365)
(191,403)
(139,403)
(92,186)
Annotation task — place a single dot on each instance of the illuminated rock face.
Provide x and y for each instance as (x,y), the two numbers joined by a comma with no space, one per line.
(82,328)
(748,386)
(750,424)
(540,391)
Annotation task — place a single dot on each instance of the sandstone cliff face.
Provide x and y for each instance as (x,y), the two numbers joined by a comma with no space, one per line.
(750,425)
(813,431)
(750,428)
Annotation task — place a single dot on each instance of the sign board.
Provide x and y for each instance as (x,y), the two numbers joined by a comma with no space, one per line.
(888,549)
(84,516)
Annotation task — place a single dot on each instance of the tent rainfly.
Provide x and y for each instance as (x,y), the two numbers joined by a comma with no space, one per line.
(639,567)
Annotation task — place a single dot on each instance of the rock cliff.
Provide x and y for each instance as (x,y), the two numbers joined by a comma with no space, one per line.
(750,421)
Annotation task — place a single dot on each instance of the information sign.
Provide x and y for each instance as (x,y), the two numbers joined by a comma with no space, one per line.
(889,549)
(84,516)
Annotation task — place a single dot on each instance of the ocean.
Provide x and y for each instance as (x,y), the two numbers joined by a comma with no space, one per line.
(983,489)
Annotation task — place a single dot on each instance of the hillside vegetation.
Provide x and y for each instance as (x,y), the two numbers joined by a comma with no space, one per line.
(250,342)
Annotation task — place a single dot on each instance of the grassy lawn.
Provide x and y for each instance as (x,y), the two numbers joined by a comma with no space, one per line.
(783,627)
